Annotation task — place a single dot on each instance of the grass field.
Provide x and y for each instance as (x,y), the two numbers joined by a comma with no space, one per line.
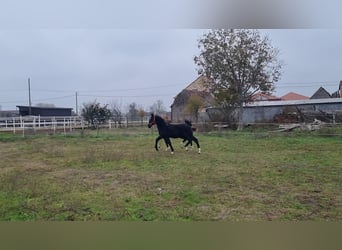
(118,176)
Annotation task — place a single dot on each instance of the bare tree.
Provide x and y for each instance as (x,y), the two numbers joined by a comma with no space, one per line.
(117,114)
(45,105)
(158,107)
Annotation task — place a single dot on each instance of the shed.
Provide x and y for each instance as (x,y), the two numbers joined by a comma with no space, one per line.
(44,111)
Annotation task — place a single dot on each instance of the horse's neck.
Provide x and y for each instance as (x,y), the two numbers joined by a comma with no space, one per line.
(160,122)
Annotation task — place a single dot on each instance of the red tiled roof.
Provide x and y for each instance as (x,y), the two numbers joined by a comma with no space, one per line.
(293,96)
(264,97)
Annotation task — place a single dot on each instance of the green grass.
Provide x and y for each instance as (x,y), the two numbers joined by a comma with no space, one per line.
(119,176)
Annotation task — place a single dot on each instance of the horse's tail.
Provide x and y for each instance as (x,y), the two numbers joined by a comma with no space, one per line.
(189,123)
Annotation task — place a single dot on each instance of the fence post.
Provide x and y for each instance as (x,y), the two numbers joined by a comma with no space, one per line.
(334,118)
(13,125)
(70,124)
(34,123)
(64,126)
(54,124)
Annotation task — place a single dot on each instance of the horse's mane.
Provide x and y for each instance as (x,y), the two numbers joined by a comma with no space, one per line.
(160,119)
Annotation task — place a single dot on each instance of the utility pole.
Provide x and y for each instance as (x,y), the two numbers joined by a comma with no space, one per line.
(76,104)
(29,89)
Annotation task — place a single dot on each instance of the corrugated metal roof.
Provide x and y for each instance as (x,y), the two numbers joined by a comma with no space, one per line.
(294,102)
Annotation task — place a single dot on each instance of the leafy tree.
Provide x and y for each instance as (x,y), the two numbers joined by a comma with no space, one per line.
(142,114)
(239,63)
(195,102)
(94,114)
(132,111)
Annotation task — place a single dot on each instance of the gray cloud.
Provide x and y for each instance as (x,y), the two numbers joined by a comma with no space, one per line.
(142,65)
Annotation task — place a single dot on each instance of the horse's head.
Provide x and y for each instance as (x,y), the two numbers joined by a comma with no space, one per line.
(152,121)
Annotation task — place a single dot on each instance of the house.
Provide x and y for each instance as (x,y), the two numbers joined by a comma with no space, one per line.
(292,107)
(44,111)
(9,113)
(338,93)
(197,89)
(321,93)
(259,96)
(291,96)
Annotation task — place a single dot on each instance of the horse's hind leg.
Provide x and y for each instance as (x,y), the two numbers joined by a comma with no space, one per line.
(168,141)
(167,145)
(187,144)
(184,140)
(197,143)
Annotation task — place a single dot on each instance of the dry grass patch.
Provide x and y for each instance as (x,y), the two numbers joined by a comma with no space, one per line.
(119,176)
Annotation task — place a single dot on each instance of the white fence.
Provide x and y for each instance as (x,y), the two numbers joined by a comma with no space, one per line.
(21,123)
(36,123)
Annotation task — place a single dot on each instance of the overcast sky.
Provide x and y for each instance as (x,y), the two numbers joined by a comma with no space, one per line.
(131,63)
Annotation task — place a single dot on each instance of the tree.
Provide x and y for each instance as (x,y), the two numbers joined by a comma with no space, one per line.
(158,107)
(239,63)
(132,111)
(195,102)
(94,114)
(142,114)
(117,113)
(46,105)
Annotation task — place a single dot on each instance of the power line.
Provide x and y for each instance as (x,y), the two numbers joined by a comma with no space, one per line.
(131,89)
(304,86)
(103,90)
(279,85)
(320,82)
(53,98)
(128,96)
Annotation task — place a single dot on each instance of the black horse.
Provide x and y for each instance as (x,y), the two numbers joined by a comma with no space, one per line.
(167,131)
(187,122)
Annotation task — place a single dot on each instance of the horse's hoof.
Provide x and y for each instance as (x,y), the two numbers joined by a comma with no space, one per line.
(186,149)
(172,152)
(199,150)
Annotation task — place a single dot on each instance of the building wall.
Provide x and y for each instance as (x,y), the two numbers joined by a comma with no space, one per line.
(265,112)
(254,114)
(24,110)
